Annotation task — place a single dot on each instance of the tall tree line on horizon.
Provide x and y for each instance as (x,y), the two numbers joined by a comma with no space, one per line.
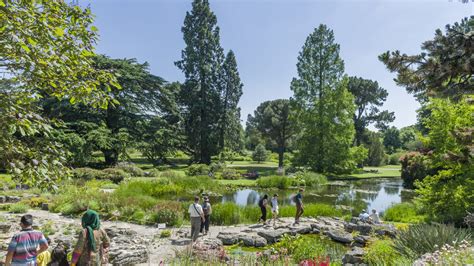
(212,87)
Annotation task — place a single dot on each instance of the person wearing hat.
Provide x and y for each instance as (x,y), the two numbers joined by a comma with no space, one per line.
(197,218)
(274,203)
(207,210)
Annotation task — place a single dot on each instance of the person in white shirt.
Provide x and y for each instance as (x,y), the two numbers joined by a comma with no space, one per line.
(274,203)
(374,217)
(197,217)
(364,216)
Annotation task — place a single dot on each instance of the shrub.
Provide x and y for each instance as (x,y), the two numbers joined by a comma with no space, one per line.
(165,233)
(403,213)
(310,179)
(415,166)
(230,174)
(395,158)
(7,182)
(169,212)
(115,175)
(311,247)
(36,202)
(281,182)
(312,210)
(131,169)
(19,207)
(86,173)
(226,214)
(198,169)
(419,239)
(450,255)
(381,252)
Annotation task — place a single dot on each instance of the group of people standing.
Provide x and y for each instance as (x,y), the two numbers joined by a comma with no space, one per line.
(263,203)
(200,217)
(30,247)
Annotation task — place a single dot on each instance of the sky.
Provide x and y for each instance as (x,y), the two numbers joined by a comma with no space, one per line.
(267,35)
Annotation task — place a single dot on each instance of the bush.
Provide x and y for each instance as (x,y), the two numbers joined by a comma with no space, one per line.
(260,154)
(169,212)
(36,202)
(165,233)
(281,182)
(115,175)
(131,169)
(415,166)
(227,213)
(419,239)
(381,252)
(19,207)
(403,213)
(7,182)
(86,173)
(395,158)
(230,174)
(450,255)
(311,210)
(311,247)
(309,179)
(198,169)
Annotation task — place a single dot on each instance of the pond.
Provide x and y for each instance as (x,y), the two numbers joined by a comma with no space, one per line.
(354,195)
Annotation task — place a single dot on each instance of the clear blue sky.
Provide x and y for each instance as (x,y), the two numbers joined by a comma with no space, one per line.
(267,36)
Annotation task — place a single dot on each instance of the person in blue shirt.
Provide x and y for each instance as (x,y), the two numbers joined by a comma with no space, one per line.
(299,205)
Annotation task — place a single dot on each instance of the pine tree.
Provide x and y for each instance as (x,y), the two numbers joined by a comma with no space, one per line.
(260,153)
(323,104)
(230,127)
(200,97)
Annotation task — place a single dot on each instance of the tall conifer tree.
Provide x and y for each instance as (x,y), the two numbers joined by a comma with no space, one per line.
(323,104)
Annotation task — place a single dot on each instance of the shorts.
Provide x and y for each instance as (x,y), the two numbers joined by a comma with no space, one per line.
(275,211)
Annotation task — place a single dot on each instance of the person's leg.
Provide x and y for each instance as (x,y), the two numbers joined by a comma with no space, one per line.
(202,226)
(264,214)
(206,224)
(298,213)
(195,226)
(262,218)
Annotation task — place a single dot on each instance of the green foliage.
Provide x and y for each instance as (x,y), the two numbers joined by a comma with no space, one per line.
(7,182)
(450,255)
(391,140)
(309,179)
(415,167)
(230,174)
(197,169)
(260,154)
(48,229)
(131,169)
(312,210)
(358,154)
(404,213)
(424,238)
(394,158)
(47,49)
(314,247)
(115,175)
(18,207)
(228,213)
(323,105)
(169,212)
(272,120)
(165,233)
(280,182)
(87,173)
(36,202)
(381,252)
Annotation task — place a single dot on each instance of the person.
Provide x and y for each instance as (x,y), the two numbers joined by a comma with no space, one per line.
(25,245)
(207,210)
(262,203)
(93,243)
(274,203)
(364,216)
(197,217)
(374,217)
(59,255)
(299,205)
(44,257)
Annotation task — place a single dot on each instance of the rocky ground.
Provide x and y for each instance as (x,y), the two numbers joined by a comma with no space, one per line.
(133,244)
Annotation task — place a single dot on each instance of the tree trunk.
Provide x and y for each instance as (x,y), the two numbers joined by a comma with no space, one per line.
(111,157)
(281,151)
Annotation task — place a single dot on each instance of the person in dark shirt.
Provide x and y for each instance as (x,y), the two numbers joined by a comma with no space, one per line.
(299,205)
(262,203)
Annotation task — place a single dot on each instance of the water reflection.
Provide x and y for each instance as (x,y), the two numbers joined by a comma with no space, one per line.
(357,195)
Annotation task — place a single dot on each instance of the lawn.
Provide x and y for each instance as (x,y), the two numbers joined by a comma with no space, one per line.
(383,171)
(238,183)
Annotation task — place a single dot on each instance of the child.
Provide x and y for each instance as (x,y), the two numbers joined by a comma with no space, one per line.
(44,257)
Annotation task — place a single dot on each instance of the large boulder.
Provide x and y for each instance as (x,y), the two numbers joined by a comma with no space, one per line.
(126,247)
(228,238)
(340,236)
(253,240)
(273,236)
(354,256)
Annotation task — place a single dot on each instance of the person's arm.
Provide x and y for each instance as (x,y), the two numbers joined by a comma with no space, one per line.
(8,259)
(11,251)
(201,213)
(43,244)
(78,249)
(210,209)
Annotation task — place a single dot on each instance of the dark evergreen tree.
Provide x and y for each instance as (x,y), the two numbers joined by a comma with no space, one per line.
(391,139)
(368,97)
(376,152)
(200,96)
(272,120)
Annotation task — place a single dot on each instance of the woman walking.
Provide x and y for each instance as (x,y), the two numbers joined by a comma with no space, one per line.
(274,203)
(93,243)
(262,203)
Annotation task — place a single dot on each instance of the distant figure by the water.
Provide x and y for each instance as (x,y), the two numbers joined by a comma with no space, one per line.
(374,217)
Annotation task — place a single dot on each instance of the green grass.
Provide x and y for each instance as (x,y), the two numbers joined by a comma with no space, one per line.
(383,171)
(404,213)
(238,182)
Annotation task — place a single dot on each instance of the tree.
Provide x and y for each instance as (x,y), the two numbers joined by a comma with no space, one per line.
(443,69)
(368,97)
(260,154)
(391,139)
(230,127)
(45,46)
(324,107)
(376,152)
(200,96)
(272,120)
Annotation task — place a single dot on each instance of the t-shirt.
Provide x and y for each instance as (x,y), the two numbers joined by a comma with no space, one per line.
(24,246)
(206,207)
(195,210)
(299,199)
(43,258)
(375,218)
(274,204)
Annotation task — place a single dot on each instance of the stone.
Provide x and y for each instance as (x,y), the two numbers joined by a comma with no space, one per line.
(273,236)
(361,239)
(3,199)
(228,238)
(12,199)
(385,230)
(354,256)
(253,240)
(363,228)
(303,229)
(181,241)
(340,236)
(127,256)
(45,206)
(5,227)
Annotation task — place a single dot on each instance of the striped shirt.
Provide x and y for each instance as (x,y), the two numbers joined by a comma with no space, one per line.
(24,246)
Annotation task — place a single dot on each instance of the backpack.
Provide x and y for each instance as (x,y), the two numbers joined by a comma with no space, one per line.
(205,208)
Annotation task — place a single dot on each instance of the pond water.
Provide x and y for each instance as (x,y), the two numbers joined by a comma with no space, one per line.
(354,195)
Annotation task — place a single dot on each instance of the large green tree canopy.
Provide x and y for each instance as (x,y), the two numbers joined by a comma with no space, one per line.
(45,46)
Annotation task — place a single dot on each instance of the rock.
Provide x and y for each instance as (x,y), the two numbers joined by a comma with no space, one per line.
(363,228)
(228,238)
(5,227)
(181,241)
(340,236)
(3,199)
(45,206)
(385,230)
(127,256)
(361,239)
(354,256)
(253,240)
(12,199)
(273,236)
(303,229)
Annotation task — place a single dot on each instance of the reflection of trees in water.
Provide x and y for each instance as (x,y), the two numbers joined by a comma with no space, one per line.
(229,197)
(252,198)
(368,185)
(352,199)
(391,190)
(407,195)
(366,195)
